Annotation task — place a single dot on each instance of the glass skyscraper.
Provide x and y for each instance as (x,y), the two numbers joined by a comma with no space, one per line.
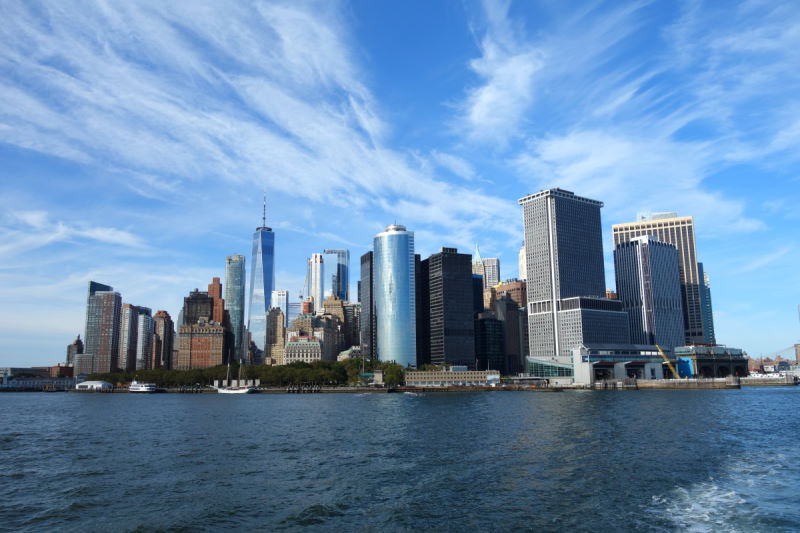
(340,281)
(234,301)
(395,305)
(262,281)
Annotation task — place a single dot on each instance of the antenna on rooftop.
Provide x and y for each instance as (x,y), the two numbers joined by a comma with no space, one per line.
(264,216)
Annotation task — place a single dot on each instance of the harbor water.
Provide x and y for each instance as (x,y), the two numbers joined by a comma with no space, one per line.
(494,461)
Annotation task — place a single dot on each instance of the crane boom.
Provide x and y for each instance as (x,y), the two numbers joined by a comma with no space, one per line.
(666,360)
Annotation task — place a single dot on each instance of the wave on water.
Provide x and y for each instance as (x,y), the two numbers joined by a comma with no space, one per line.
(746,497)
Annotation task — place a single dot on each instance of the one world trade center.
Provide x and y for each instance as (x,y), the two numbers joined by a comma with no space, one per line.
(262,280)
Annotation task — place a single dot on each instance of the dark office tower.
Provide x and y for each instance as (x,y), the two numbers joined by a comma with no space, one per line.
(165,329)
(234,301)
(477,293)
(649,287)
(678,231)
(705,302)
(489,343)
(103,314)
(566,285)
(450,303)
(508,312)
(196,306)
(423,301)
(367,297)
(341,277)
(128,337)
(74,349)
(262,281)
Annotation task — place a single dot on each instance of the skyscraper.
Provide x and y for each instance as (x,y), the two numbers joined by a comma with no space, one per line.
(76,348)
(491,270)
(165,329)
(128,337)
(566,277)
(144,341)
(234,302)
(395,296)
(262,280)
(523,276)
(340,285)
(705,297)
(280,300)
(449,300)
(648,285)
(316,281)
(477,265)
(368,324)
(678,231)
(103,315)
(215,292)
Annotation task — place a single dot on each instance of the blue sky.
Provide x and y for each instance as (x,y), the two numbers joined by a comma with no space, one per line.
(136,139)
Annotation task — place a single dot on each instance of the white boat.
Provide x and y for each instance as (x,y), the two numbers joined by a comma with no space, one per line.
(237,389)
(141,387)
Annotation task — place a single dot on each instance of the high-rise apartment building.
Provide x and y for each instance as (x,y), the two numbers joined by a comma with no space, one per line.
(144,340)
(395,296)
(316,281)
(449,308)
(491,270)
(128,337)
(648,285)
(566,278)
(678,231)
(234,302)
(103,315)
(340,280)
(215,293)
(368,324)
(262,281)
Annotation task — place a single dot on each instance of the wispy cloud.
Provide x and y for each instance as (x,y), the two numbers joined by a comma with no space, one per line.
(765,260)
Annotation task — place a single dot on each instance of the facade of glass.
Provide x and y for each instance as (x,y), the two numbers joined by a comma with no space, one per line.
(316,280)
(340,281)
(144,341)
(280,300)
(367,298)
(234,301)
(678,231)
(262,282)
(448,310)
(648,285)
(103,317)
(395,305)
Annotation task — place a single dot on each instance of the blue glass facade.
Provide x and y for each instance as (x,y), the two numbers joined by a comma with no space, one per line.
(395,306)
(340,281)
(234,301)
(262,282)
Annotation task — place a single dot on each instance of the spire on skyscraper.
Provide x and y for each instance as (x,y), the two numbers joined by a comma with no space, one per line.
(264,216)
(476,257)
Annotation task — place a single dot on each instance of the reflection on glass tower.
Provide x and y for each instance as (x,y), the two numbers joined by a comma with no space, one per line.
(340,285)
(395,306)
(262,280)
(234,301)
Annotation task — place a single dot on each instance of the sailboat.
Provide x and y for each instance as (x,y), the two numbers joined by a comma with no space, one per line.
(239,389)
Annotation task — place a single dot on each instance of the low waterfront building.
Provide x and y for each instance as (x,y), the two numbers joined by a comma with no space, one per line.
(94,386)
(40,384)
(455,377)
(713,361)
(305,349)
(600,362)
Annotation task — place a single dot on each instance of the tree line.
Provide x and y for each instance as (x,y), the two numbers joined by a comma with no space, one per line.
(323,373)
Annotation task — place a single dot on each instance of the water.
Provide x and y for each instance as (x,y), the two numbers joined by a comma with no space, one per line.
(500,461)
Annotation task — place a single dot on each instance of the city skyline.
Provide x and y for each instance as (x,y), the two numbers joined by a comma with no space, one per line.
(350,124)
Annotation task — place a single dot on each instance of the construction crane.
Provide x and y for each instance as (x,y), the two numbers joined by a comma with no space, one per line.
(305,282)
(666,360)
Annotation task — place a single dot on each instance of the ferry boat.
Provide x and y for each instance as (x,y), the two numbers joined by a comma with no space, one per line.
(141,387)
